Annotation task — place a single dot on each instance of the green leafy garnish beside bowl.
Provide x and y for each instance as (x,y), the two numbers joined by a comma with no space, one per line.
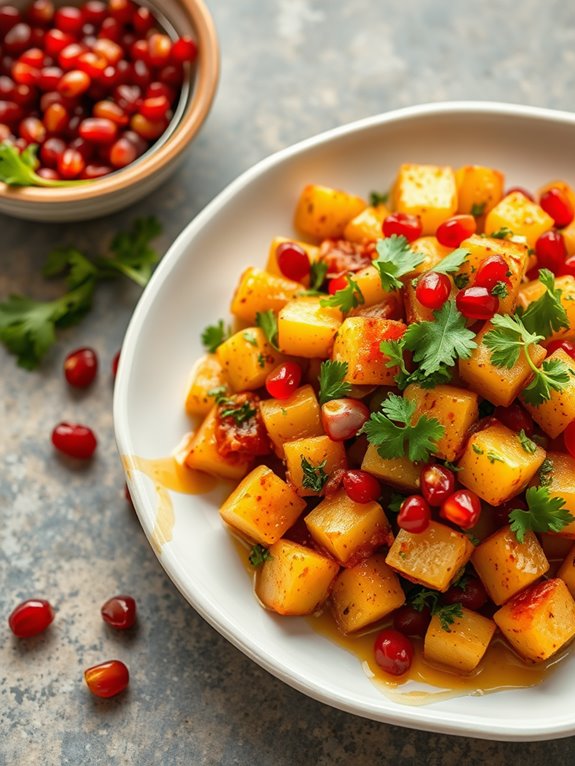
(19,169)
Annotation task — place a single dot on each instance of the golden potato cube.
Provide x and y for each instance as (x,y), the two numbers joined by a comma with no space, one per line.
(262,507)
(432,253)
(478,188)
(272,263)
(207,375)
(532,291)
(306,328)
(364,594)
(259,291)
(495,466)
(318,451)
(539,621)
(561,484)
(357,343)
(323,212)
(287,420)
(203,454)
(428,191)
(515,255)
(349,532)
(455,408)
(247,358)
(462,646)
(366,226)
(507,566)
(294,580)
(523,217)
(566,571)
(399,472)
(555,414)
(498,384)
(569,237)
(431,558)
(369,283)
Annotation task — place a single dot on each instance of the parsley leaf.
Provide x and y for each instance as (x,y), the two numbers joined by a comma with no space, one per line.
(447,614)
(553,375)
(317,275)
(268,321)
(478,208)
(345,299)
(546,315)
(19,169)
(258,555)
(395,259)
(314,476)
(132,255)
(528,444)
(423,598)
(214,335)
(451,262)
(544,514)
(500,290)
(378,198)
(331,381)
(416,441)
(241,413)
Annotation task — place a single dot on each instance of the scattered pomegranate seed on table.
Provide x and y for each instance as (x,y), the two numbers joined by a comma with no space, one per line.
(80,367)
(31,617)
(107,679)
(74,440)
(119,612)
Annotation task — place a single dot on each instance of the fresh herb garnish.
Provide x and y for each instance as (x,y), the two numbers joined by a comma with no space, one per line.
(477,449)
(546,472)
(451,262)
(546,315)
(249,338)
(544,514)
(331,381)
(528,444)
(394,260)
(429,599)
(261,360)
(500,290)
(503,233)
(478,208)
(461,281)
(378,198)
(214,335)
(239,412)
(258,555)
(395,502)
(219,393)
(452,466)
(493,457)
(268,322)
(317,275)
(19,169)
(447,614)
(314,476)
(347,298)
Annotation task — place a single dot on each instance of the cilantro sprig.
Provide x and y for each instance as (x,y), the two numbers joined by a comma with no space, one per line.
(259,554)
(394,260)
(378,198)
(214,335)
(544,514)
(546,315)
(331,381)
(314,476)
(451,262)
(19,169)
(268,322)
(346,299)
(241,412)
(317,275)
(423,598)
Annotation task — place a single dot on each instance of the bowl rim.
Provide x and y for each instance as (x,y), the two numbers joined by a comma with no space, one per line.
(200,99)
(433,721)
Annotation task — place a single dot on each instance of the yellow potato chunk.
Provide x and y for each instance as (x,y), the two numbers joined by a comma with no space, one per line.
(272,263)
(539,621)
(499,385)
(364,594)
(431,558)
(357,343)
(204,456)
(259,291)
(462,646)
(287,420)
(323,212)
(399,472)
(207,375)
(366,226)
(478,188)
(369,283)
(534,290)
(455,408)
(495,466)
(507,566)
(262,507)
(561,484)
(318,451)
(523,217)
(295,580)
(555,414)
(567,570)
(247,358)
(432,253)
(428,191)
(306,328)
(569,237)
(349,532)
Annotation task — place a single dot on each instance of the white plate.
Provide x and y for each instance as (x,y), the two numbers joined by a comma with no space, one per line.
(192,288)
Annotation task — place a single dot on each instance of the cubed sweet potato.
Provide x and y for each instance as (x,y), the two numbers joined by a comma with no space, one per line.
(318,451)
(366,226)
(247,358)
(204,456)
(357,343)
(428,191)
(258,291)
(322,212)
(561,484)
(519,214)
(478,188)
(308,329)
(463,645)
(400,472)
(287,420)
(567,570)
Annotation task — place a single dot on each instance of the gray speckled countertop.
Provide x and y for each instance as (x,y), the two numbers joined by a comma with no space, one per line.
(291,68)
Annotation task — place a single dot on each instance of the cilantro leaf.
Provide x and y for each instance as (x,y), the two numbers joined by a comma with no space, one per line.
(423,598)
(393,350)
(478,208)
(451,262)
(345,299)
(500,290)
(214,335)
(72,263)
(314,476)
(132,254)
(219,393)
(507,339)
(527,444)
(20,169)
(447,614)
(503,233)
(249,338)
(258,555)
(230,408)
(378,198)
(317,275)
(395,259)
(544,514)
(546,472)
(395,502)
(331,381)
(268,321)
(553,375)
(546,315)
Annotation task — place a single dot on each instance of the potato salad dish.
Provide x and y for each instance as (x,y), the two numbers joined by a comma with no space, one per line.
(395,402)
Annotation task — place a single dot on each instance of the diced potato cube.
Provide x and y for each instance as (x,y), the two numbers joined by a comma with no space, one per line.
(318,451)
(561,480)
(259,291)
(399,472)
(207,375)
(523,217)
(478,188)
(348,531)
(247,359)
(507,566)
(555,414)
(534,290)
(463,645)
(569,237)
(306,328)
(432,252)
(498,384)
(455,408)
(369,283)
(323,212)
(539,621)
(364,594)
(204,456)
(294,580)
(567,570)
(366,226)
(428,191)
(431,558)
(272,263)
(495,466)
(287,420)
(357,343)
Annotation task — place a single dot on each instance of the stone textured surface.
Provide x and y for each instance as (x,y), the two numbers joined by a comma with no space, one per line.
(291,68)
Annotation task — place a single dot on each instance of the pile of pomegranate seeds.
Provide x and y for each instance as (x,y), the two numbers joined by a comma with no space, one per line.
(93,86)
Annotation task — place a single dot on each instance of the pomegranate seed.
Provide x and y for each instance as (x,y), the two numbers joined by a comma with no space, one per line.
(453,231)
(393,652)
(402,224)
(433,289)
(115,363)
(128,97)
(92,64)
(107,679)
(98,130)
(108,50)
(569,438)
(69,19)
(410,621)
(96,171)
(414,514)
(339,283)
(551,251)
(160,89)
(122,153)
(74,440)
(18,39)
(156,107)
(147,128)
(568,268)
(515,418)
(283,380)
(30,617)
(463,508)
(71,164)
(292,259)
(80,367)
(121,10)
(119,612)
(51,151)
(5,133)
(56,118)
(94,12)
(566,345)
(7,87)
(139,50)
(49,78)
(34,57)
(41,12)
(141,76)
(48,173)
(110,111)
(9,17)
(110,30)
(361,487)
(85,148)
(184,50)
(477,302)
(10,112)
(556,204)
(436,483)
(56,41)
(159,49)
(472,596)
(143,20)
(69,57)
(137,141)
(342,418)
(25,74)
(74,83)
(520,190)
(32,130)
(492,270)
(172,75)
